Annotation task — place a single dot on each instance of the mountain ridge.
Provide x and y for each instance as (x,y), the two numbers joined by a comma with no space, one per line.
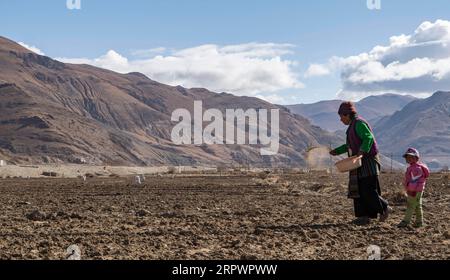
(372,108)
(423,124)
(53,112)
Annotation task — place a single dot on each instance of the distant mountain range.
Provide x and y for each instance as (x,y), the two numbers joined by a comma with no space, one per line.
(399,122)
(52,112)
(423,124)
(372,108)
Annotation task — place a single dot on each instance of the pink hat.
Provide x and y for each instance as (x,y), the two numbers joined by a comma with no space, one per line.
(412,152)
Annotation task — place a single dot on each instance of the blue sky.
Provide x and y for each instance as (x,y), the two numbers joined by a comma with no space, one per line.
(301,32)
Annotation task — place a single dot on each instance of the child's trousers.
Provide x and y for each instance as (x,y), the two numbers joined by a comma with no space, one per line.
(414,206)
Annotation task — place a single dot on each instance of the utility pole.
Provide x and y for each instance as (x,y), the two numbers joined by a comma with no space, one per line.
(392,161)
(331,162)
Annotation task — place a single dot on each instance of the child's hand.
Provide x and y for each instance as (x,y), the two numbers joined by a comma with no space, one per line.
(405,194)
(404,182)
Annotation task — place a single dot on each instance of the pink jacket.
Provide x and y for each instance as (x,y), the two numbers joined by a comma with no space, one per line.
(415,177)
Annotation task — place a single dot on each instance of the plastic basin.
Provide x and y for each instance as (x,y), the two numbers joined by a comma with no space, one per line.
(349,164)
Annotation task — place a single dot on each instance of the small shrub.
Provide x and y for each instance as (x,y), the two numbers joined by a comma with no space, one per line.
(171,170)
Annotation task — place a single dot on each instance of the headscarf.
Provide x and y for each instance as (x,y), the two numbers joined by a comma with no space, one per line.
(347,108)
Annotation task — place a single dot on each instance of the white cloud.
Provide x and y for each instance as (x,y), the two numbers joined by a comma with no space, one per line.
(273,98)
(245,69)
(418,63)
(32,48)
(148,53)
(114,61)
(317,70)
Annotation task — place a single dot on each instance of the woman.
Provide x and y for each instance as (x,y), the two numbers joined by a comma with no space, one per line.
(364,186)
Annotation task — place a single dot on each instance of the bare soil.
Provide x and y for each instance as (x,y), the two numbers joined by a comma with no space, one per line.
(234,216)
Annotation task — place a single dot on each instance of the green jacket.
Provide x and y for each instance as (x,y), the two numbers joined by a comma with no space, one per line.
(366,136)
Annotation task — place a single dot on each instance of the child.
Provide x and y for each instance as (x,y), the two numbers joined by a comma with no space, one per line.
(414,182)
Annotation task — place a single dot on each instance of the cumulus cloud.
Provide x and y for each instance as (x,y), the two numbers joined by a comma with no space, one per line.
(272,98)
(245,69)
(148,52)
(32,48)
(317,70)
(417,63)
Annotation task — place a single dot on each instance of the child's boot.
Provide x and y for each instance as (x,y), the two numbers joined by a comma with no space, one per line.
(403,224)
(418,224)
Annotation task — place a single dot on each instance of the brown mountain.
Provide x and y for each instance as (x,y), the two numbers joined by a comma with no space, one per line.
(56,112)
(423,124)
(372,108)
